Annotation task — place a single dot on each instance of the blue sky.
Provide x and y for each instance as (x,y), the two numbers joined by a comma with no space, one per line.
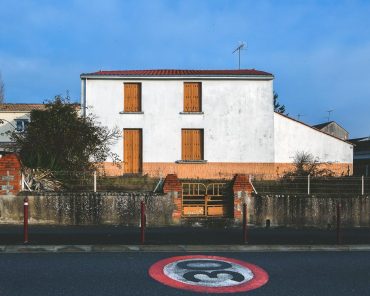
(319,51)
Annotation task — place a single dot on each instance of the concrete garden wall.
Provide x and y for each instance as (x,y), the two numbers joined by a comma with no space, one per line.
(124,208)
(87,208)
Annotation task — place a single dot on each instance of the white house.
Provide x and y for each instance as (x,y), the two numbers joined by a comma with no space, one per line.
(202,123)
(14,117)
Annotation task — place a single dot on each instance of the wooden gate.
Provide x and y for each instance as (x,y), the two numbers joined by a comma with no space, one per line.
(132,139)
(202,200)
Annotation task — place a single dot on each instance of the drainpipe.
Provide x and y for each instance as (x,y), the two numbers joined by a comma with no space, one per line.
(83,96)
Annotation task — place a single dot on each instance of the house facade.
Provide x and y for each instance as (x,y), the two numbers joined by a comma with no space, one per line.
(333,128)
(202,124)
(14,117)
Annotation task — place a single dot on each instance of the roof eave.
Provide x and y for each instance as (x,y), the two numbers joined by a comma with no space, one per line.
(177,77)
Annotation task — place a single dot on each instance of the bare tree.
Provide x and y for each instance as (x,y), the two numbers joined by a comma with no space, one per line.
(2,90)
(306,164)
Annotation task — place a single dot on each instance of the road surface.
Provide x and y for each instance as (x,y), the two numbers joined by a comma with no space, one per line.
(290,273)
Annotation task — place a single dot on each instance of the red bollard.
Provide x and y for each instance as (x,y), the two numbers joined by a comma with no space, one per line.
(25,220)
(143,222)
(339,238)
(245,223)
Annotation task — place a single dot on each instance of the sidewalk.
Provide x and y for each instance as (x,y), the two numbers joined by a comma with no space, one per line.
(177,235)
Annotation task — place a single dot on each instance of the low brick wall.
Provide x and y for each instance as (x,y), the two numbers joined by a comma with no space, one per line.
(221,170)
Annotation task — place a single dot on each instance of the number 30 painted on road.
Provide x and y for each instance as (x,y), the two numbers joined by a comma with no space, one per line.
(210,274)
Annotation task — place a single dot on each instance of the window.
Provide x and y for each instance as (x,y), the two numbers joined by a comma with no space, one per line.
(132,97)
(21,125)
(192,144)
(192,97)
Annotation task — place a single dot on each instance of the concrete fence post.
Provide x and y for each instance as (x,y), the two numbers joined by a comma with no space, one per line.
(94,181)
(25,220)
(362,185)
(308,184)
(22,182)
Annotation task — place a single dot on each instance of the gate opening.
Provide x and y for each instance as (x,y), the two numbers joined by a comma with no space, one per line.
(206,200)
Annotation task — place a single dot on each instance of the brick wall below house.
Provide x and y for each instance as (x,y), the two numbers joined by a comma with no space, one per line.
(221,170)
(10,174)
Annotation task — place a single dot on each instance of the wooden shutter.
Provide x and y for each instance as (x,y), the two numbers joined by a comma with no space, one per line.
(132,97)
(132,150)
(192,144)
(192,97)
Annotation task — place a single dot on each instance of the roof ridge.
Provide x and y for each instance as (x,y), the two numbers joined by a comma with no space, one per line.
(182,72)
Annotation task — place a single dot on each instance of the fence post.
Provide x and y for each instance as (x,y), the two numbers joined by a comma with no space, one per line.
(339,239)
(362,185)
(94,181)
(25,220)
(308,184)
(245,223)
(143,222)
(22,181)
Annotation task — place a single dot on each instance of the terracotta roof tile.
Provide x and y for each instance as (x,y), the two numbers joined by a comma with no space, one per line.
(173,72)
(21,107)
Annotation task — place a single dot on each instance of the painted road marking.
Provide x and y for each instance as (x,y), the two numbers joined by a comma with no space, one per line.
(209,274)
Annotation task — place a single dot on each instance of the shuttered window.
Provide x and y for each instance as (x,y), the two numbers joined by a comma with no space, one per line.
(132,97)
(192,97)
(132,150)
(192,144)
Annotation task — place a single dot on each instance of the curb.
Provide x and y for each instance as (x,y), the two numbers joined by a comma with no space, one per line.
(178,248)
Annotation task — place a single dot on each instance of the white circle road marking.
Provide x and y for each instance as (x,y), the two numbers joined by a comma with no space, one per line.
(210,274)
(217,279)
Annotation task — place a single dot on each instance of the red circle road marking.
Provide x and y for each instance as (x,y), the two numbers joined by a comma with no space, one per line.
(260,276)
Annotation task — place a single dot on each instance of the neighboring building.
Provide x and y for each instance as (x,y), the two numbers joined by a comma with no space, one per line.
(14,117)
(203,124)
(361,156)
(332,128)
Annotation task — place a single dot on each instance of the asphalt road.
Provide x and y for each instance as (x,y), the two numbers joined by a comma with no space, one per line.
(290,273)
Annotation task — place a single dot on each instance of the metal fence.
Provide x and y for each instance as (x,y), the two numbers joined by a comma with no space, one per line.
(308,185)
(92,181)
(263,184)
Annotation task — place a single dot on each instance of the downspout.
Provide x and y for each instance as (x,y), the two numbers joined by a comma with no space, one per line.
(83,96)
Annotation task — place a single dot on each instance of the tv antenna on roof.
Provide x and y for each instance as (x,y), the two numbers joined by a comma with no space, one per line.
(299,116)
(239,48)
(329,112)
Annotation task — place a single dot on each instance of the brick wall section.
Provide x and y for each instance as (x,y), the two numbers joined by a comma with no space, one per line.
(241,184)
(172,186)
(339,169)
(10,174)
(222,170)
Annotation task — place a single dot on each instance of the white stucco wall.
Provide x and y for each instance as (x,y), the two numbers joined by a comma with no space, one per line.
(237,121)
(6,126)
(292,137)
